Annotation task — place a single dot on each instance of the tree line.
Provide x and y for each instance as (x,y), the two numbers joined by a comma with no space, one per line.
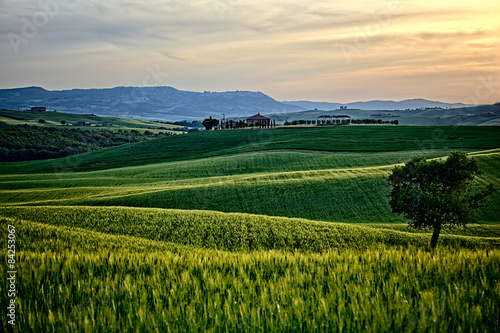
(27,143)
(374,122)
(342,122)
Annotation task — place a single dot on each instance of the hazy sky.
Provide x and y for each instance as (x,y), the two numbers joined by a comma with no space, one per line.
(337,51)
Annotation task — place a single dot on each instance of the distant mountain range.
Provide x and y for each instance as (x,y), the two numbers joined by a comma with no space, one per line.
(412,104)
(148,103)
(167,103)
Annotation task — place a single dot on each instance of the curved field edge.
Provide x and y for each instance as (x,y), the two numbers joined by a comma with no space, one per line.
(328,195)
(230,231)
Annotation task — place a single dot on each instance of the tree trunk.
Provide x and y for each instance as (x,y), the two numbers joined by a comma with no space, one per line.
(435,235)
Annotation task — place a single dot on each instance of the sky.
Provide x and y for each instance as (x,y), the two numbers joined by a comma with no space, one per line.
(334,51)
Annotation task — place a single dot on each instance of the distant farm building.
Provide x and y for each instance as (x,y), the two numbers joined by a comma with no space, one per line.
(84,123)
(38,109)
(259,120)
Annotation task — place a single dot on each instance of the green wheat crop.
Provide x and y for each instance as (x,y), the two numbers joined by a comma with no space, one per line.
(110,283)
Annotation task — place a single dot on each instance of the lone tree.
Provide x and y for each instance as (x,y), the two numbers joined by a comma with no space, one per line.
(209,123)
(436,194)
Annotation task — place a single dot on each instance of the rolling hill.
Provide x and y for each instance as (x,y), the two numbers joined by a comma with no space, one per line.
(246,230)
(54,118)
(317,173)
(219,143)
(483,115)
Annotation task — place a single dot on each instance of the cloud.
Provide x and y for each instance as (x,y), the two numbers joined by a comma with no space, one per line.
(241,44)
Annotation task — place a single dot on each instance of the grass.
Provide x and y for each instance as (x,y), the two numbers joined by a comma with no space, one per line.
(473,230)
(265,162)
(239,231)
(284,193)
(231,231)
(74,279)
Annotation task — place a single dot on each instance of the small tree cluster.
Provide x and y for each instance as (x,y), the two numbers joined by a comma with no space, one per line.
(333,122)
(210,123)
(232,124)
(300,122)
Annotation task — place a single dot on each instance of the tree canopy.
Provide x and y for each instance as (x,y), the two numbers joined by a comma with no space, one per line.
(210,122)
(26,143)
(436,193)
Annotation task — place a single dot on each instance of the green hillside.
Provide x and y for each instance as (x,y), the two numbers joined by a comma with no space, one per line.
(347,193)
(34,143)
(219,143)
(250,230)
(314,183)
(53,119)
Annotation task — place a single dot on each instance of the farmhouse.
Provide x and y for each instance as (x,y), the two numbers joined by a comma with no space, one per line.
(84,123)
(260,120)
(39,109)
